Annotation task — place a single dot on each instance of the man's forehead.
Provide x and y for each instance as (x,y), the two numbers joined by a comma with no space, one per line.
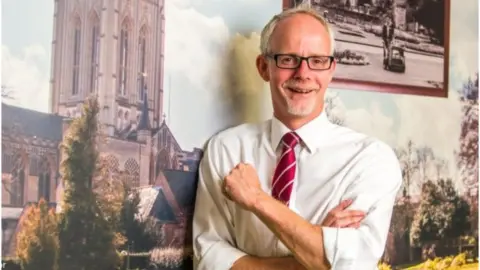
(300,41)
(300,22)
(309,39)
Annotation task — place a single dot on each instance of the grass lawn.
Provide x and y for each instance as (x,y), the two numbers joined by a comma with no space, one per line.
(470,266)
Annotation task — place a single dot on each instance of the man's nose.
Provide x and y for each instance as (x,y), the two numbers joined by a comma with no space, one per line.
(303,70)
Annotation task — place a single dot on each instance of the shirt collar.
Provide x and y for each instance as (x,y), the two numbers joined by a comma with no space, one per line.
(312,133)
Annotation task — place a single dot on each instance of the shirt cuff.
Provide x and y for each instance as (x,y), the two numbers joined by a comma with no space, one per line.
(220,256)
(341,247)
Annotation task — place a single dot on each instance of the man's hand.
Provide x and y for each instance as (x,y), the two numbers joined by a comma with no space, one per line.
(242,186)
(339,217)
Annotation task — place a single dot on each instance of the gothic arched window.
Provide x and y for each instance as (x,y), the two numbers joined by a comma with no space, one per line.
(112,164)
(132,169)
(142,58)
(44,180)
(94,52)
(119,119)
(17,182)
(163,161)
(76,56)
(123,58)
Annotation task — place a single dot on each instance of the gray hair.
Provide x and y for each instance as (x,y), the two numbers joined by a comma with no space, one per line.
(300,9)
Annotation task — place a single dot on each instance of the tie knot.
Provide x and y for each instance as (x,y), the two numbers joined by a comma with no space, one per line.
(291,139)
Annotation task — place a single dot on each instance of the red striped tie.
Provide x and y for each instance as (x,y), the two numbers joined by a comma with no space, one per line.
(285,172)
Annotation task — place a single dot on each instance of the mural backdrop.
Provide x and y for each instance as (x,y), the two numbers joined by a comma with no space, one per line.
(169,74)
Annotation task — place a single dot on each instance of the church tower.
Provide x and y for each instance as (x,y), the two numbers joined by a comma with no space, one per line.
(113,49)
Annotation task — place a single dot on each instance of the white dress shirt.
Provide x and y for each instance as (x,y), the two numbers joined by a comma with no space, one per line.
(334,163)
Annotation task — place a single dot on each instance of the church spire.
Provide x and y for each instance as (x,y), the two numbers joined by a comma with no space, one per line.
(144,123)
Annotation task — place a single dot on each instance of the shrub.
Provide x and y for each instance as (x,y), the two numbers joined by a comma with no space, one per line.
(37,243)
(170,257)
(384,266)
(429,265)
(351,57)
(459,260)
(446,263)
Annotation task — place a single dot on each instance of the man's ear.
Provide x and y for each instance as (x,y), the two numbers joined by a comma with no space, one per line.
(262,67)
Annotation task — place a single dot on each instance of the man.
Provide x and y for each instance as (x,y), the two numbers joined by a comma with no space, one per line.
(385,37)
(275,195)
(388,32)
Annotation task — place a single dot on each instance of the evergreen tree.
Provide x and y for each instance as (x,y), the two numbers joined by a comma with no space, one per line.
(140,233)
(85,237)
(119,202)
(37,243)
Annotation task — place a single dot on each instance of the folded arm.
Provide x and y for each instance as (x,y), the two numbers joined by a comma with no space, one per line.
(255,263)
(214,242)
(317,247)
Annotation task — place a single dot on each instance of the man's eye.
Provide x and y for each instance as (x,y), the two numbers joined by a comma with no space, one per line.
(319,60)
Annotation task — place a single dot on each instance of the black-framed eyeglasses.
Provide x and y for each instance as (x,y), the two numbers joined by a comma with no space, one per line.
(292,61)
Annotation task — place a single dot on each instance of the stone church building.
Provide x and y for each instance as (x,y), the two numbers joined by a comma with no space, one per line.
(115,50)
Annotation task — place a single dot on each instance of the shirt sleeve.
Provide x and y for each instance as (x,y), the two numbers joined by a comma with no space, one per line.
(374,191)
(213,236)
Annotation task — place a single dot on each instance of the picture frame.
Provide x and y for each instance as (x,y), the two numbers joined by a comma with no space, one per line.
(415,59)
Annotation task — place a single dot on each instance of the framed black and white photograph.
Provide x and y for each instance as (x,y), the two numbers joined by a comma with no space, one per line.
(394,46)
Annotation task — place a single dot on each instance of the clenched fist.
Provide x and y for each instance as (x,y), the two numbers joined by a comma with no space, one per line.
(242,186)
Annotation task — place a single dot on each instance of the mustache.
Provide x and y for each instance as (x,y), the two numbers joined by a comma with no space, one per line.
(297,85)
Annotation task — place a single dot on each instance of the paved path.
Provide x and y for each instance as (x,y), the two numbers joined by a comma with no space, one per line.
(371,40)
(376,50)
(419,68)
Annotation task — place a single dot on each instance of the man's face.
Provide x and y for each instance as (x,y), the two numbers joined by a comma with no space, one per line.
(299,92)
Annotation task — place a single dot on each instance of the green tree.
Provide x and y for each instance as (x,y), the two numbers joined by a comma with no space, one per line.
(422,11)
(442,214)
(457,210)
(85,236)
(140,232)
(120,204)
(110,193)
(467,156)
(37,243)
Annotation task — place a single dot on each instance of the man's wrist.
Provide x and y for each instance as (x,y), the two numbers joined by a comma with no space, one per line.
(271,263)
(258,201)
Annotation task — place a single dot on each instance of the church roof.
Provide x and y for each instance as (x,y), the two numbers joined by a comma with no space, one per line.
(161,209)
(183,185)
(32,123)
(154,204)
